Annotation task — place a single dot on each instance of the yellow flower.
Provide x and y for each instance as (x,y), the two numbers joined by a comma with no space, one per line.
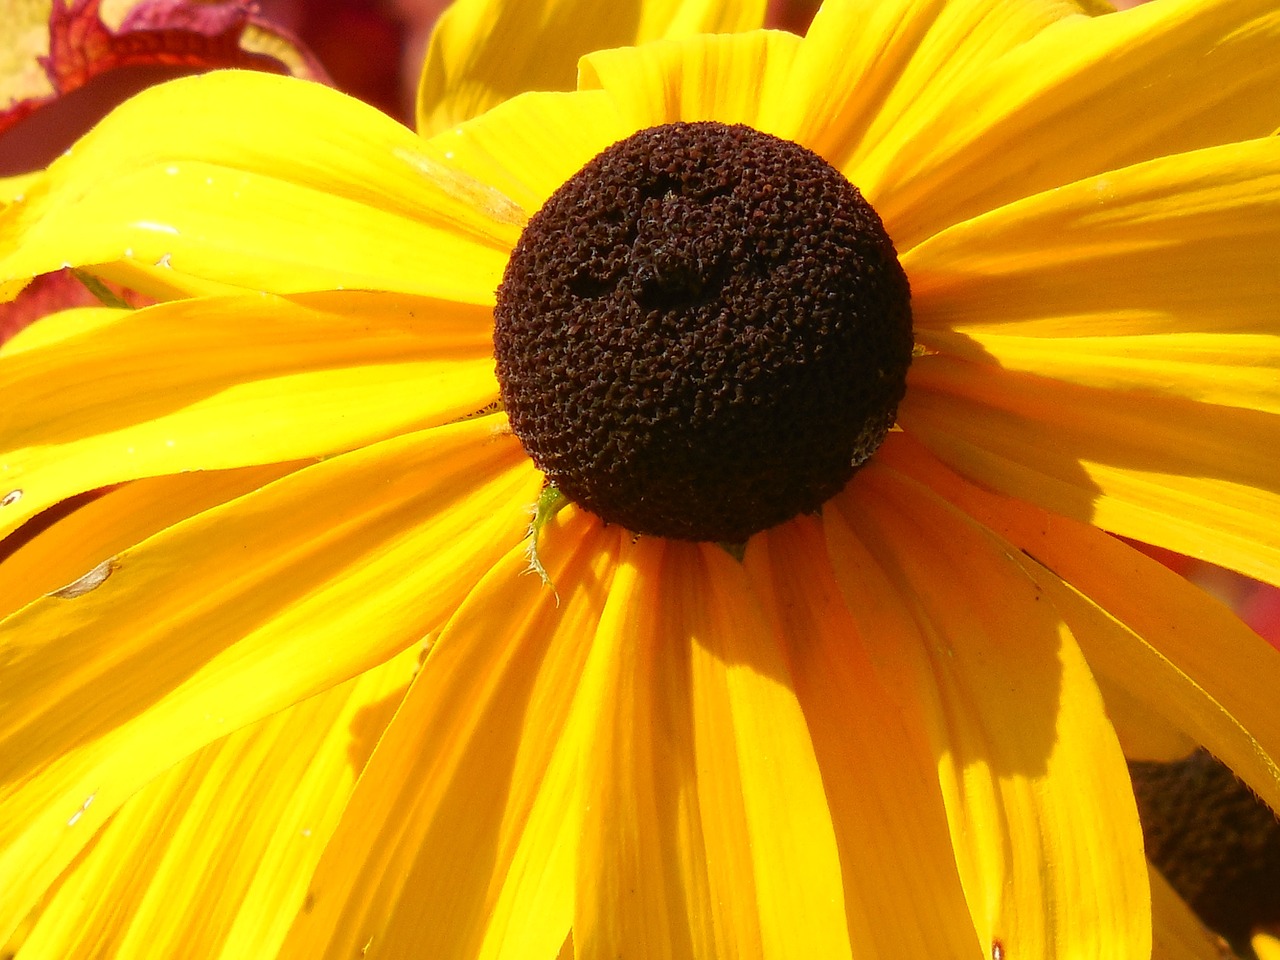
(895,727)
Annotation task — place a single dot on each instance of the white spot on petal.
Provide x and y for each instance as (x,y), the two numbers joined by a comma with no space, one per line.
(75,817)
(10,498)
(157,227)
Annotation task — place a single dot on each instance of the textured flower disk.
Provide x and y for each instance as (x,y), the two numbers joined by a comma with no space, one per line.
(703,333)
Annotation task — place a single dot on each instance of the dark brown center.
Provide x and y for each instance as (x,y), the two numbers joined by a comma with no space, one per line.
(703,333)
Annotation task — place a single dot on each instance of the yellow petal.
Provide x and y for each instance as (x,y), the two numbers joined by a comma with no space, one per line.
(1266,946)
(15,186)
(95,398)
(1177,933)
(709,833)
(1180,653)
(1084,96)
(872,71)
(765,813)
(731,79)
(878,769)
(251,812)
(1196,478)
(120,518)
(1229,369)
(1041,811)
(231,615)
(485,51)
(1182,244)
(643,874)
(306,190)
(1144,732)
(528,147)
(459,840)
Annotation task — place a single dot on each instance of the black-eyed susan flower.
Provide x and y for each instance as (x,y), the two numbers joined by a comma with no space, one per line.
(844,357)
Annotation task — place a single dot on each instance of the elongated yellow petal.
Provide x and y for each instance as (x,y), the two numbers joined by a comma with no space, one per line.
(707,836)
(1177,933)
(1037,792)
(644,887)
(252,181)
(1229,369)
(731,79)
(483,52)
(459,840)
(95,399)
(1084,96)
(878,769)
(254,810)
(231,615)
(1179,652)
(1195,478)
(871,72)
(1144,733)
(528,147)
(1178,245)
(119,519)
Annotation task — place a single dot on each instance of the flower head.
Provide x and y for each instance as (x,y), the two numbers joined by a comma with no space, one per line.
(891,721)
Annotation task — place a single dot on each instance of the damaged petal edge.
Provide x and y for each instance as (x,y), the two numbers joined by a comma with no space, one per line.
(90,581)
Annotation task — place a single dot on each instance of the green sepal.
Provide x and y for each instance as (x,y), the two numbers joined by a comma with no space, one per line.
(550,502)
(100,290)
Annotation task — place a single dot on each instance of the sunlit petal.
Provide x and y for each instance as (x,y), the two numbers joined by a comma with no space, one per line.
(1037,792)
(337,191)
(96,398)
(483,52)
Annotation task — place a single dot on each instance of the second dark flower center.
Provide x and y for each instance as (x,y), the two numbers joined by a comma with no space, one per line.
(703,333)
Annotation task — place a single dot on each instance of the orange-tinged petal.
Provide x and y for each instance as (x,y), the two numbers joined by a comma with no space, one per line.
(643,877)
(870,72)
(1037,792)
(706,835)
(1158,684)
(307,190)
(765,812)
(731,79)
(1179,652)
(116,520)
(231,615)
(527,147)
(483,52)
(879,771)
(1084,96)
(94,399)
(253,810)
(459,840)
(1144,733)
(1196,478)
(1160,254)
